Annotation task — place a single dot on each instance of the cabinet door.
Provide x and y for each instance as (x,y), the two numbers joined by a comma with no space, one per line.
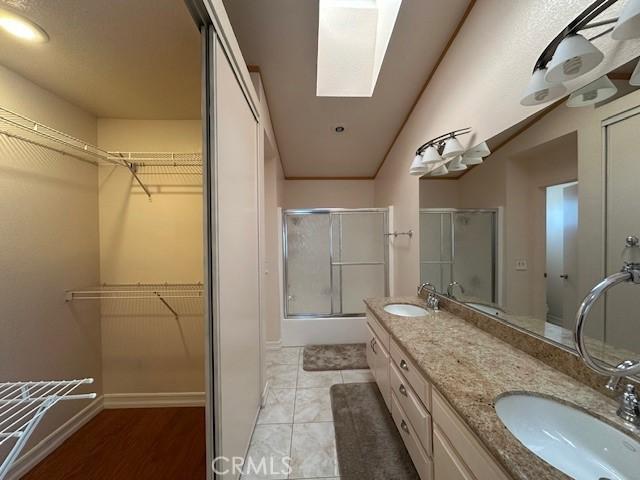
(382,372)
(446,464)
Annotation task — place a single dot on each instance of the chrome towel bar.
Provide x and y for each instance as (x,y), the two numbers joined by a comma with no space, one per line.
(630,273)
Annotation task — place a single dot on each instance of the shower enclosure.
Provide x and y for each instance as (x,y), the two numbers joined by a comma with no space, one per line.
(460,245)
(333,258)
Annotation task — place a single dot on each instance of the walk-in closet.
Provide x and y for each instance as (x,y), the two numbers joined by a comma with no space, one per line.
(102,331)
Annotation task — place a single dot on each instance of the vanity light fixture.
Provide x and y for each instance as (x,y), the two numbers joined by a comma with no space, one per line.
(574,57)
(570,54)
(470,160)
(457,165)
(22,27)
(593,93)
(432,156)
(418,168)
(628,24)
(452,148)
(540,91)
(441,170)
(480,150)
(353,36)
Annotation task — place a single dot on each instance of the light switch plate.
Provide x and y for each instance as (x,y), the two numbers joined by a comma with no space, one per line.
(521,265)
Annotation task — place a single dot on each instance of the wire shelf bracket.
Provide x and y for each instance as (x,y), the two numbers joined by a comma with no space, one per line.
(160,291)
(22,407)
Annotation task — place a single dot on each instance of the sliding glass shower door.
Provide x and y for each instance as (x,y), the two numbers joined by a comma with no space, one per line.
(333,259)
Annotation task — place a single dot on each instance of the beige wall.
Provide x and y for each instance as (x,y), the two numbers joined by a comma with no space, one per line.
(146,350)
(49,243)
(329,194)
(439,193)
(478,84)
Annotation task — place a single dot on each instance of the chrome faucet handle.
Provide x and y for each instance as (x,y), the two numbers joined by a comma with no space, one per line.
(614,381)
(629,409)
(450,288)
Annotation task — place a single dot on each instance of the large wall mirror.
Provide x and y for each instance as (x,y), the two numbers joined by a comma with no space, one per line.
(525,235)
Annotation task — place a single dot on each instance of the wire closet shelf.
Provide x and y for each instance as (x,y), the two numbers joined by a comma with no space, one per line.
(18,126)
(139,291)
(22,407)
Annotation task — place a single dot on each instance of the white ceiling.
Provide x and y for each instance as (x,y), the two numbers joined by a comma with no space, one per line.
(281,36)
(137,59)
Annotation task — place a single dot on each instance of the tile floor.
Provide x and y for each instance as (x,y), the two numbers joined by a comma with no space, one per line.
(296,421)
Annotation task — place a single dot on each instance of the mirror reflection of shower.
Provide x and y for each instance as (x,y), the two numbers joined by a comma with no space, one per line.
(459,252)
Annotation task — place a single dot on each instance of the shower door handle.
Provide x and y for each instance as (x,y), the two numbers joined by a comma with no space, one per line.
(564,276)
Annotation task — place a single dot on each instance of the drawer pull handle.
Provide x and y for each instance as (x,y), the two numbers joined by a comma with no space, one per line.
(403,365)
(404,426)
(373,346)
(403,390)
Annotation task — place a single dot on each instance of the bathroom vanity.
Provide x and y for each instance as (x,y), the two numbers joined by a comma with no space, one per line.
(440,377)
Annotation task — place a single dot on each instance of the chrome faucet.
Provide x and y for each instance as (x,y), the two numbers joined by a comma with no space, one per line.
(426,286)
(450,288)
(629,407)
(433,302)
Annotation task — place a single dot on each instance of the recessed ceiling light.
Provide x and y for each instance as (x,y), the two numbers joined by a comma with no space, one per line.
(353,36)
(22,28)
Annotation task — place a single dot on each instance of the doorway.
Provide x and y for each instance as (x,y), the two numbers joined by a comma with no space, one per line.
(561,252)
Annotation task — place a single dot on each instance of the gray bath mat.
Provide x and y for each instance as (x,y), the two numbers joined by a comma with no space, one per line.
(349,356)
(367,441)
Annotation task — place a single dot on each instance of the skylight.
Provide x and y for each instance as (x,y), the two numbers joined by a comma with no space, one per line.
(353,36)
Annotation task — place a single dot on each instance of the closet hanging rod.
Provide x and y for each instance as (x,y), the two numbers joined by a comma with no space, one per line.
(22,407)
(136,290)
(159,159)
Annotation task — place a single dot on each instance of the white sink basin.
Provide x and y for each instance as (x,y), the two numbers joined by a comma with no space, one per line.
(405,310)
(574,442)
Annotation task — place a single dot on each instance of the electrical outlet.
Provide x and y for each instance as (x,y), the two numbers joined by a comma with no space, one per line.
(521,265)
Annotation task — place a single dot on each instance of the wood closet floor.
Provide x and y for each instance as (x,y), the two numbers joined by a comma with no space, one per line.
(140,443)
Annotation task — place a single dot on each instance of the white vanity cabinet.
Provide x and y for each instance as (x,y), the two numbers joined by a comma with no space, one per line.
(440,444)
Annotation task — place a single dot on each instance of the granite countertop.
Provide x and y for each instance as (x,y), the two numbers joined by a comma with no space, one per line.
(471,368)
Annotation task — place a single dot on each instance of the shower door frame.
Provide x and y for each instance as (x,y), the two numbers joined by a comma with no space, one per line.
(332,262)
(495,245)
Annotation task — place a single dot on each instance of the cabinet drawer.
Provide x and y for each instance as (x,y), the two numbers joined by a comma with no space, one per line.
(421,461)
(472,452)
(411,373)
(378,329)
(413,408)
